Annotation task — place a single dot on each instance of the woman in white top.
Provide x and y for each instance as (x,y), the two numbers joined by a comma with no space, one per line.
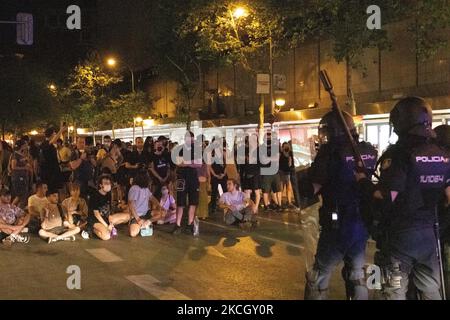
(169,208)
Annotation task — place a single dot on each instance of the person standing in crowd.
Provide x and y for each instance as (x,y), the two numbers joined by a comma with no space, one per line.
(414,174)
(50,172)
(5,155)
(250,170)
(135,160)
(203,180)
(217,171)
(54,226)
(12,220)
(64,155)
(36,206)
(21,173)
(82,167)
(159,167)
(107,141)
(101,221)
(76,208)
(187,184)
(286,160)
(271,182)
(238,208)
(139,199)
(343,233)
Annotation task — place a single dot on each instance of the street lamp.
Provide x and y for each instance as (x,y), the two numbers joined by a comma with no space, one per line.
(280,102)
(112,62)
(240,12)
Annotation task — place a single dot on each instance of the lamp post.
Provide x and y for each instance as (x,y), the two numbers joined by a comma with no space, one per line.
(111,62)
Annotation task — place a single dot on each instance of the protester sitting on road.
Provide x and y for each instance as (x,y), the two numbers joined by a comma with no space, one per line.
(76,207)
(101,220)
(36,206)
(238,208)
(55,226)
(12,220)
(139,198)
(168,212)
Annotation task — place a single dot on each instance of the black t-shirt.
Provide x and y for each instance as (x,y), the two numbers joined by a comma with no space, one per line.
(101,203)
(136,157)
(48,161)
(252,165)
(161,163)
(284,162)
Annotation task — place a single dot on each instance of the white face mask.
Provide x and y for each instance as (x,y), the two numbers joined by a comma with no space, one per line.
(107,188)
(165,192)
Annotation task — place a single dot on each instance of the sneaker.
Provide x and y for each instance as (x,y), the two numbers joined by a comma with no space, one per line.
(71,238)
(176,230)
(279,209)
(52,240)
(8,241)
(85,235)
(20,238)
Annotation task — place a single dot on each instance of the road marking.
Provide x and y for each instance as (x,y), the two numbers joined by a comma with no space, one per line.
(258,235)
(104,255)
(154,287)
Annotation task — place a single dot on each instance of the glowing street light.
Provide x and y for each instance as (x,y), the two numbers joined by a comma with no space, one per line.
(34,133)
(111,62)
(240,12)
(280,102)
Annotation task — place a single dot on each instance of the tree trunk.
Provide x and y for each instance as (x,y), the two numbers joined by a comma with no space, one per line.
(113,132)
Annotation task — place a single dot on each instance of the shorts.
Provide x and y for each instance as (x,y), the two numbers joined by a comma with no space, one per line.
(285,177)
(271,183)
(251,182)
(58,230)
(146,216)
(187,188)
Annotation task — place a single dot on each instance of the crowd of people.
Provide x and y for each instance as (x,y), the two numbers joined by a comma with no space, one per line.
(59,189)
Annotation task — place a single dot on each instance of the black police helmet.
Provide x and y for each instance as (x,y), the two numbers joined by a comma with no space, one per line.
(332,129)
(443,135)
(412,115)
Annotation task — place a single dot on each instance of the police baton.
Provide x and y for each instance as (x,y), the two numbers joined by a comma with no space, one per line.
(329,88)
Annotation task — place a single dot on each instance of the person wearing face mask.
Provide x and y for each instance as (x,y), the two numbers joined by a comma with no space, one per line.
(159,167)
(101,221)
(21,171)
(168,213)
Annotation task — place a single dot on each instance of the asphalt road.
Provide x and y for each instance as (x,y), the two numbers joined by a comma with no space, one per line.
(222,263)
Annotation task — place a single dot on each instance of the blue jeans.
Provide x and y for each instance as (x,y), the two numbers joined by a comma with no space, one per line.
(335,246)
(416,253)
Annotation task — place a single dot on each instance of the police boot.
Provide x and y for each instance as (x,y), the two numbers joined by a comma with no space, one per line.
(312,290)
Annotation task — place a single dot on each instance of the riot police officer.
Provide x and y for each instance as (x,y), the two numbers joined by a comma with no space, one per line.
(343,233)
(413,174)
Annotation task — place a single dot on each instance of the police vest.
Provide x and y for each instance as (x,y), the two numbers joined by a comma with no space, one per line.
(429,175)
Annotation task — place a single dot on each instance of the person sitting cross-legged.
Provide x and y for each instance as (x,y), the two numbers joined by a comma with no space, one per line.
(54,226)
(101,219)
(12,220)
(139,199)
(238,208)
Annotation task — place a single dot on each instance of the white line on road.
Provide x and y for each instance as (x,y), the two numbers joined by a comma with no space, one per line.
(104,255)
(154,287)
(258,235)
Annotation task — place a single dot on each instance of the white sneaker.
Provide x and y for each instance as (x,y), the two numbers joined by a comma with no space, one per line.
(85,235)
(71,238)
(51,240)
(20,239)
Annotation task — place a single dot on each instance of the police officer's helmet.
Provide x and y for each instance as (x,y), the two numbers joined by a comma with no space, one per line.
(412,115)
(443,135)
(331,128)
